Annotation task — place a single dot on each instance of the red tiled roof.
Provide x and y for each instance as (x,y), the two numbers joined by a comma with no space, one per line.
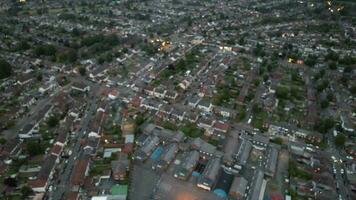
(56,149)
(221,126)
(78,173)
(37,183)
(128,148)
(72,196)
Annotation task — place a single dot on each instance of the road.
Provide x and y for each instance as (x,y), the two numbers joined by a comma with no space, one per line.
(64,176)
(343,190)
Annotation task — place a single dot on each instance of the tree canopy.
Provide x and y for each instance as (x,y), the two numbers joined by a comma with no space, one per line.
(5,69)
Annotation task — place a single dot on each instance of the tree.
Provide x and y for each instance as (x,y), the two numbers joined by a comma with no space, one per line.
(5,69)
(82,71)
(26,191)
(340,140)
(21,46)
(67,56)
(348,69)
(46,50)
(324,103)
(277,140)
(332,55)
(282,92)
(332,66)
(2,141)
(39,77)
(353,89)
(34,148)
(52,121)
(324,125)
(311,60)
(11,182)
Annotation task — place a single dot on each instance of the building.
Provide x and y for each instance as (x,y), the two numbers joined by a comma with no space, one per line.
(223,184)
(209,176)
(187,166)
(205,106)
(205,149)
(243,153)
(81,87)
(166,158)
(272,159)
(238,188)
(40,184)
(259,187)
(147,148)
(120,167)
(80,171)
(230,150)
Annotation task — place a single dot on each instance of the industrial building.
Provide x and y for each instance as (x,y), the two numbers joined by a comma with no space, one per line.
(209,176)
(147,148)
(187,166)
(238,188)
(167,157)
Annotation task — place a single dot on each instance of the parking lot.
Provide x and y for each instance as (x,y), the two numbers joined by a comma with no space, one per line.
(174,189)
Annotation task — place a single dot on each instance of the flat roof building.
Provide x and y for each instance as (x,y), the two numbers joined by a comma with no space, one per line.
(187,166)
(147,148)
(167,157)
(238,188)
(271,163)
(210,174)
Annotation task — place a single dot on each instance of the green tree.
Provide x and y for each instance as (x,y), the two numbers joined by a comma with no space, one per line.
(82,71)
(311,60)
(52,121)
(34,148)
(340,140)
(277,140)
(5,69)
(282,92)
(46,50)
(26,191)
(332,66)
(324,103)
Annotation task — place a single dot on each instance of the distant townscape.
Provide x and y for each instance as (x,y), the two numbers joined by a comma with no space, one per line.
(178,99)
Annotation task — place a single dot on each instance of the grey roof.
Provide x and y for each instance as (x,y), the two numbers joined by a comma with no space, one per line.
(272,161)
(261,139)
(191,160)
(164,134)
(120,165)
(47,167)
(203,146)
(193,99)
(257,186)
(150,144)
(230,149)
(211,171)
(169,153)
(244,152)
(188,164)
(204,103)
(238,186)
